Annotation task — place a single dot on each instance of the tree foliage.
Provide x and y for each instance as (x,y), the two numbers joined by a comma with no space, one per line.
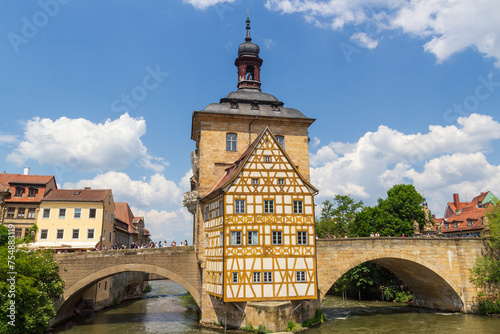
(487,268)
(37,286)
(393,216)
(337,216)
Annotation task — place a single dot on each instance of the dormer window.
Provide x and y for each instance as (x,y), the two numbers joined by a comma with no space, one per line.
(19,192)
(234,105)
(255,106)
(469,222)
(32,192)
(446,226)
(455,225)
(276,107)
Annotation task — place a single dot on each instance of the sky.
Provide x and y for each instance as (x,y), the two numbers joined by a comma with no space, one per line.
(101,93)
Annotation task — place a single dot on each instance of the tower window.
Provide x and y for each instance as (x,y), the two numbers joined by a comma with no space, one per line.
(231,142)
(281,140)
(250,72)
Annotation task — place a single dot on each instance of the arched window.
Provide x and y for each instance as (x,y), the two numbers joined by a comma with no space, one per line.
(231,141)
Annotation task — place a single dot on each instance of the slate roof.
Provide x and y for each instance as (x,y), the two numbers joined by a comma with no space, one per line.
(77,195)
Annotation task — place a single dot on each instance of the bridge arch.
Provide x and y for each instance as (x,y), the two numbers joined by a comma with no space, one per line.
(432,284)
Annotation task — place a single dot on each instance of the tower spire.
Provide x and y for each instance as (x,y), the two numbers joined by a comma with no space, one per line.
(248,62)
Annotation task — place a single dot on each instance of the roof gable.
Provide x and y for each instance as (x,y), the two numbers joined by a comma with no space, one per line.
(253,160)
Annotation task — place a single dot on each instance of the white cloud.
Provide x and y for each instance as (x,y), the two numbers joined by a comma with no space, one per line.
(363,40)
(447,26)
(6,139)
(158,191)
(268,42)
(203,4)
(86,146)
(442,161)
(167,225)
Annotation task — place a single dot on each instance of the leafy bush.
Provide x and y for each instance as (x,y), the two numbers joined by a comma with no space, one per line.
(147,288)
(263,330)
(188,301)
(292,326)
(319,317)
(248,328)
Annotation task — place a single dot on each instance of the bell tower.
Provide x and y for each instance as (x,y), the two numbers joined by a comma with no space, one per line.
(248,63)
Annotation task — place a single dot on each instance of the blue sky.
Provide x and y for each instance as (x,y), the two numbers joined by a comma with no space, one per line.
(101,93)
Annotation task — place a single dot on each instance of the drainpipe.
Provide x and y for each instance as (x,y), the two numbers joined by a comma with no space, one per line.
(249,128)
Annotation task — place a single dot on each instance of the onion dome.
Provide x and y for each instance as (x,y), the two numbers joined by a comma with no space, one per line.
(248,48)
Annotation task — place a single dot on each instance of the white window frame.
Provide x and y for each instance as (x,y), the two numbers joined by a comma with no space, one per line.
(277,238)
(93,233)
(57,234)
(239,206)
(301,238)
(298,207)
(231,142)
(75,211)
(256,277)
(269,206)
(95,213)
(73,233)
(59,213)
(235,278)
(235,238)
(252,238)
(268,276)
(28,213)
(300,276)
(43,213)
(46,230)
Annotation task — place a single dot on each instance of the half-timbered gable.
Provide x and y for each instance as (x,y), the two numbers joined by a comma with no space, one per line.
(268,227)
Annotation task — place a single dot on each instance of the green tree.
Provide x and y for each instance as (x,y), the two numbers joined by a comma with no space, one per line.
(336,217)
(37,286)
(487,268)
(4,235)
(393,216)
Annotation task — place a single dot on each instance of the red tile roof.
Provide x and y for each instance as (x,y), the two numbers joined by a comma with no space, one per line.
(123,213)
(6,179)
(9,183)
(77,195)
(470,213)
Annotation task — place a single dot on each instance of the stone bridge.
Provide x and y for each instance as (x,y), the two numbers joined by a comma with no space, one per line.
(436,270)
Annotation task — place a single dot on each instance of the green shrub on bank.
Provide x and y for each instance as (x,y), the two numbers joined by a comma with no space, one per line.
(319,317)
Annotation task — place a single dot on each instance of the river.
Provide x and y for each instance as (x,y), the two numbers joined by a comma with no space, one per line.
(160,311)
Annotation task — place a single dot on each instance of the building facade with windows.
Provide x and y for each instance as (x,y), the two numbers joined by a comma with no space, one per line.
(251,199)
(76,219)
(20,198)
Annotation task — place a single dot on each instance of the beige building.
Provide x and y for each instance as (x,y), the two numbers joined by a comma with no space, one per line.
(20,198)
(76,219)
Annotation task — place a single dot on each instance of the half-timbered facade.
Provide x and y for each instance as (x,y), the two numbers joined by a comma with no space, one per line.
(259,225)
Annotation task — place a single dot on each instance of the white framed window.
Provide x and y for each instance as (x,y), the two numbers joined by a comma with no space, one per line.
(235,238)
(267,158)
(44,234)
(77,213)
(256,277)
(20,212)
(281,182)
(31,213)
(60,233)
(62,213)
(235,277)
(268,206)
(90,233)
(277,238)
(46,213)
(298,207)
(92,213)
(455,224)
(255,181)
(239,206)
(301,238)
(253,238)
(75,233)
(281,140)
(301,276)
(231,139)
(268,276)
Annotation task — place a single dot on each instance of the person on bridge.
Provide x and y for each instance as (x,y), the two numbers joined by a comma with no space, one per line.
(173,243)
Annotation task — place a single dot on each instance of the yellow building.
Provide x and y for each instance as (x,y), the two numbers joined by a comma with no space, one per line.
(250,195)
(259,228)
(76,219)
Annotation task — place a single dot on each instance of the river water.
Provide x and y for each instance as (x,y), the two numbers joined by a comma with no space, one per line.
(160,311)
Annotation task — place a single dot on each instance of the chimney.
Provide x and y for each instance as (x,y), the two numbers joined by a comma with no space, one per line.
(456,200)
(26,170)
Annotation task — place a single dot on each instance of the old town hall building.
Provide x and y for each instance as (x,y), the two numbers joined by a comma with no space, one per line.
(250,195)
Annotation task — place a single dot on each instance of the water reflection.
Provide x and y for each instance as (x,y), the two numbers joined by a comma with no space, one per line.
(160,311)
